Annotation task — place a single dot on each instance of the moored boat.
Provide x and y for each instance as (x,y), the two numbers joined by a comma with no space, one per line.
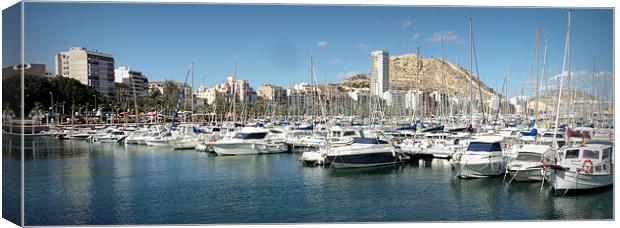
(365,152)
(248,141)
(528,164)
(482,158)
(582,168)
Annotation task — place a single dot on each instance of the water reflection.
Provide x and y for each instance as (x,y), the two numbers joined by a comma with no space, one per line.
(76,182)
(370,171)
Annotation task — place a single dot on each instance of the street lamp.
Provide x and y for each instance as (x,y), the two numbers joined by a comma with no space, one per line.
(63,110)
(51,103)
(96,108)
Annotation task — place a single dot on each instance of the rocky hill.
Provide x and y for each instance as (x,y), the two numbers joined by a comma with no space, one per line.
(357,81)
(552,96)
(403,69)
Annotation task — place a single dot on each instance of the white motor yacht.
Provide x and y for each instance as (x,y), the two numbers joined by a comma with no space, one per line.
(365,152)
(162,139)
(528,164)
(250,140)
(114,136)
(509,133)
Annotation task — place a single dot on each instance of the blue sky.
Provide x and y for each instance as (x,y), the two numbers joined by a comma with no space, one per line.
(273,43)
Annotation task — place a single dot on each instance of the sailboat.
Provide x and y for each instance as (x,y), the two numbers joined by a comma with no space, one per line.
(484,154)
(581,167)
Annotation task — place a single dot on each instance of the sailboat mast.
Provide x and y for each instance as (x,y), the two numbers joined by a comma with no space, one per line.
(570,92)
(507,106)
(537,72)
(418,99)
(566,56)
(523,102)
(191,95)
(445,83)
(592,94)
(234,92)
(471,53)
(545,74)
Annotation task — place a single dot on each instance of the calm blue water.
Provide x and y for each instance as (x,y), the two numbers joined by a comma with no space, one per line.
(73,182)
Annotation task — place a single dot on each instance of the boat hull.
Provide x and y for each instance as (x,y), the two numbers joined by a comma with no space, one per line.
(312,158)
(564,182)
(157,142)
(184,145)
(80,137)
(224,149)
(364,160)
(107,139)
(478,168)
(525,174)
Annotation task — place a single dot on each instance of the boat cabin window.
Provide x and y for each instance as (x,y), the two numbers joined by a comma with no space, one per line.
(597,168)
(480,146)
(606,153)
(335,133)
(250,135)
(349,133)
(591,154)
(529,157)
(215,129)
(572,154)
(550,135)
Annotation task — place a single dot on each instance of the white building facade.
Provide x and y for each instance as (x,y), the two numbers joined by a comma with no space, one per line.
(135,80)
(92,68)
(379,72)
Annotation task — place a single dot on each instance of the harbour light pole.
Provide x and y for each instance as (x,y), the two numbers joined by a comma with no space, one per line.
(96,107)
(51,105)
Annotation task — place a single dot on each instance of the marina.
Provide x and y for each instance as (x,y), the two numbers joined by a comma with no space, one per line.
(77,182)
(407,132)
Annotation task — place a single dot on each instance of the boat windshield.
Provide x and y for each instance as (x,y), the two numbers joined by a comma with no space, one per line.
(481,146)
(572,154)
(259,135)
(368,140)
(528,157)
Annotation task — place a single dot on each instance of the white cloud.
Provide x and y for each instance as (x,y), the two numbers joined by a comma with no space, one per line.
(603,74)
(363,45)
(415,36)
(406,23)
(446,35)
(573,74)
(335,60)
(322,43)
(578,76)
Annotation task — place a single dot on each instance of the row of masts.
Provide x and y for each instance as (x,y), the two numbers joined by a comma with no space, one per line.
(316,105)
